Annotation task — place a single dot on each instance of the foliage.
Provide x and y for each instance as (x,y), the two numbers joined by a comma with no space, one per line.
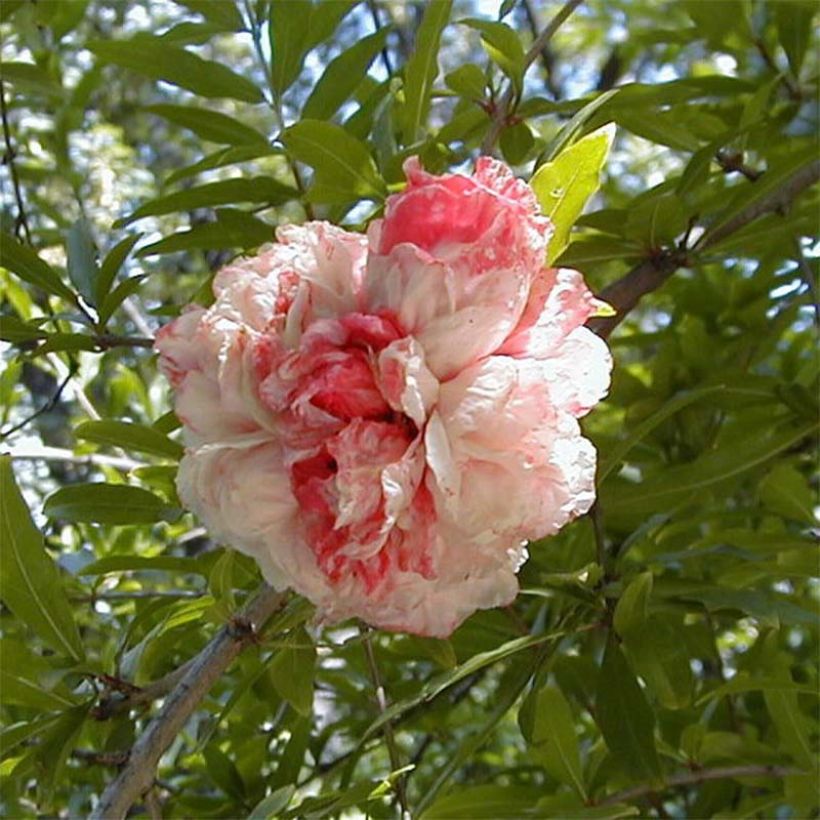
(661,658)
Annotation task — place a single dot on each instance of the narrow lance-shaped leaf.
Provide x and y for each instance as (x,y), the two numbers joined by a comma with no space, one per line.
(108,504)
(30,584)
(292,671)
(23,261)
(342,76)
(131,437)
(111,265)
(564,185)
(153,58)
(210,125)
(422,69)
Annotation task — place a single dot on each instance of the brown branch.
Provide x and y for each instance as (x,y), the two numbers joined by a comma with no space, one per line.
(502,109)
(22,219)
(106,341)
(695,777)
(138,775)
(650,274)
(547,57)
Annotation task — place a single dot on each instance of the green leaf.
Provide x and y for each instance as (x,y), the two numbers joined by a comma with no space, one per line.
(342,76)
(111,265)
(343,168)
(126,288)
(467,81)
(211,194)
(30,584)
(131,437)
(292,670)
(554,739)
(14,330)
(617,453)
(503,45)
(156,59)
(225,156)
(288,35)
(794,22)
(31,79)
(516,142)
(625,718)
(744,682)
(223,772)
(657,221)
(632,609)
(422,69)
(484,801)
(23,261)
(83,270)
(210,125)
(776,176)
(569,807)
(223,14)
(273,804)
(564,185)
(107,504)
(138,563)
(677,484)
(28,680)
(661,127)
(784,490)
(232,229)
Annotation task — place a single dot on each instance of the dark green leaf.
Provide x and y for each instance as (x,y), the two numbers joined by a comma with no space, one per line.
(111,265)
(516,142)
(794,21)
(273,804)
(126,288)
(625,718)
(107,504)
(30,584)
(503,45)
(467,81)
(292,670)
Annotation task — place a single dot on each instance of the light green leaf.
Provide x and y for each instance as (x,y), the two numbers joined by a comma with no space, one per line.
(273,804)
(625,718)
(342,76)
(130,436)
(28,680)
(564,185)
(23,261)
(422,69)
(224,156)
(344,169)
(467,81)
(30,584)
(210,125)
(158,60)
(292,670)
(108,504)
(786,491)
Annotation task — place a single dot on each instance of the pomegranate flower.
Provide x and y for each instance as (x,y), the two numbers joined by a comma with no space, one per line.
(383,422)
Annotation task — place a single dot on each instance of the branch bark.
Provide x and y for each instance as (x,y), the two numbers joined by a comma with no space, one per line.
(650,274)
(138,775)
(695,777)
(502,109)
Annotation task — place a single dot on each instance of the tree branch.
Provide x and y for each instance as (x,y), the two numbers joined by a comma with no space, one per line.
(37,453)
(696,777)
(137,777)
(502,109)
(650,274)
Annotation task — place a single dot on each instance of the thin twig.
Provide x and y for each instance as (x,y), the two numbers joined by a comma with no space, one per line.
(47,407)
(546,55)
(136,595)
(387,731)
(137,777)
(502,108)
(374,13)
(696,777)
(105,341)
(22,220)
